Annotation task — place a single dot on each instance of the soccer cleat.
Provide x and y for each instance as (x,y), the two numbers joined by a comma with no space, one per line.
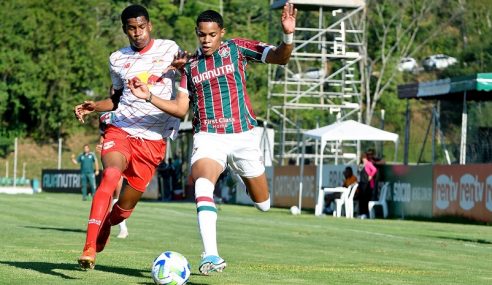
(88,258)
(122,234)
(103,236)
(212,263)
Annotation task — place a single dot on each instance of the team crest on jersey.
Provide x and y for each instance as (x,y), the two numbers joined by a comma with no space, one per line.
(225,51)
(194,64)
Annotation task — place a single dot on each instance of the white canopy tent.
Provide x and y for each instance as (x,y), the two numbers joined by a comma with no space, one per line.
(340,131)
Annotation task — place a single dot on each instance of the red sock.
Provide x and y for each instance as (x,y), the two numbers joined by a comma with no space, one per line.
(118,215)
(101,203)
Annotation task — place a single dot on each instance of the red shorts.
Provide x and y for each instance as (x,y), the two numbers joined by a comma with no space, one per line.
(143,156)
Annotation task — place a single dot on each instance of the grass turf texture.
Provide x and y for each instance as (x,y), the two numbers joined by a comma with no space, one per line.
(42,236)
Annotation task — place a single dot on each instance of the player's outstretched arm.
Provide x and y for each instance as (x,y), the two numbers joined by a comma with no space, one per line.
(88,107)
(177,107)
(281,54)
(84,109)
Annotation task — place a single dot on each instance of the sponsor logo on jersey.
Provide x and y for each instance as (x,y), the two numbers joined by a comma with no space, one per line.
(154,79)
(219,122)
(127,65)
(149,79)
(144,76)
(213,73)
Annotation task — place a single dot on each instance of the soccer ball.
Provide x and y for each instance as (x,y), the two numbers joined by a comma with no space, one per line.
(295,211)
(171,268)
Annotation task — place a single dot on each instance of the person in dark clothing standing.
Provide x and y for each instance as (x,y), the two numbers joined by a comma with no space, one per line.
(89,168)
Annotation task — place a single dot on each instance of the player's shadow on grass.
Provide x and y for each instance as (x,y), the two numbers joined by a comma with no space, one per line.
(481,241)
(44,267)
(49,268)
(56,229)
(187,283)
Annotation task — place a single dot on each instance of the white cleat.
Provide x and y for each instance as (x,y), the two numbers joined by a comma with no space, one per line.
(212,263)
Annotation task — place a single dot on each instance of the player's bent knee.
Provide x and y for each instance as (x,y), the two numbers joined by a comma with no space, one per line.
(263,206)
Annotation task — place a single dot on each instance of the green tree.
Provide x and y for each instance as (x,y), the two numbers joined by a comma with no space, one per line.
(397,29)
(53,55)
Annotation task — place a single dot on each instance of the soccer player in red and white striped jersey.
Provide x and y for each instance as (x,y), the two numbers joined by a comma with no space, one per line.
(134,139)
(214,80)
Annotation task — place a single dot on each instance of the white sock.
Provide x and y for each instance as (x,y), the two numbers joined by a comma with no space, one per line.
(263,206)
(122,225)
(207,215)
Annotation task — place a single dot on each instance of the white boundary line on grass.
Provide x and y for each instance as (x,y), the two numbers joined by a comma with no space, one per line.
(16,190)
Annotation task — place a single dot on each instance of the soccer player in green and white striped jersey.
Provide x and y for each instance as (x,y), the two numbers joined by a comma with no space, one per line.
(214,80)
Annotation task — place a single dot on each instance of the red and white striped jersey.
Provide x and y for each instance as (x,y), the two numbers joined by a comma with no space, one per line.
(216,85)
(151,65)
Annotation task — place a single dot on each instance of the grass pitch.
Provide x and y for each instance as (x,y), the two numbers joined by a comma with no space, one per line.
(42,236)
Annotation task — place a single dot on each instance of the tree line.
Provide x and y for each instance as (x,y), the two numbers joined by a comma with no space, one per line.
(54,54)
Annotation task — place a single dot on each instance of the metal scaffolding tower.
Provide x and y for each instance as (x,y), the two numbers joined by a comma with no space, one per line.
(324,78)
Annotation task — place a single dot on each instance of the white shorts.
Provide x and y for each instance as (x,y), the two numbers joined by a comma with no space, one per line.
(240,151)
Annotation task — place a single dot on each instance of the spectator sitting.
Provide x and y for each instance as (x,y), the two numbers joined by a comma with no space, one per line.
(350,179)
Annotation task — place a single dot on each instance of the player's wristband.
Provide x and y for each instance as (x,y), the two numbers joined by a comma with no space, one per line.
(149,98)
(288,39)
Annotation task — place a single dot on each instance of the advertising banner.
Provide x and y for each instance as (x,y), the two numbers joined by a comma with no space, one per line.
(410,192)
(61,180)
(285,191)
(463,190)
(68,181)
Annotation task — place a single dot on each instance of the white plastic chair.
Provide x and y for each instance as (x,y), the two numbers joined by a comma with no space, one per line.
(381,202)
(339,203)
(349,203)
(346,198)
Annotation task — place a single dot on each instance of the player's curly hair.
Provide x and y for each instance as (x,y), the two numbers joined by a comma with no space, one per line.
(134,11)
(210,16)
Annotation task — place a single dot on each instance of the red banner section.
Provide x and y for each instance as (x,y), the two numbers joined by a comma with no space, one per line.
(463,190)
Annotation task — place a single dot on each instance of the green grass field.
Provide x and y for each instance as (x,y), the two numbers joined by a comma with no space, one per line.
(42,235)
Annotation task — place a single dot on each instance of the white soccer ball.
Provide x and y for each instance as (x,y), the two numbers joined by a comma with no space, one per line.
(294,210)
(171,268)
